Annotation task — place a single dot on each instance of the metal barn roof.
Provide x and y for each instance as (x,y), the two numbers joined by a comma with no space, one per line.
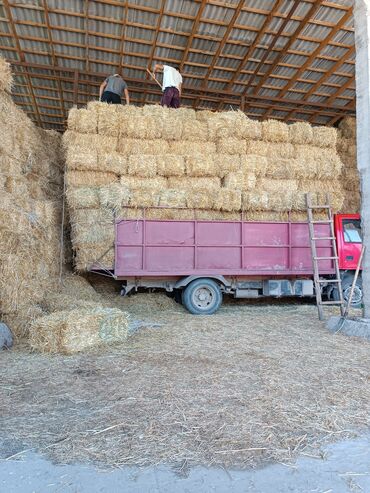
(286,59)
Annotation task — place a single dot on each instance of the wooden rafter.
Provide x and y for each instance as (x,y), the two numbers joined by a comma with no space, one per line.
(314,7)
(123,40)
(259,36)
(316,52)
(54,58)
(192,34)
(21,57)
(154,44)
(327,74)
(221,45)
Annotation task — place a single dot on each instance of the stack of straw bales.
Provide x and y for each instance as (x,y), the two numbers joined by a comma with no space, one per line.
(31,177)
(218,164)
(350,178)
(75,319)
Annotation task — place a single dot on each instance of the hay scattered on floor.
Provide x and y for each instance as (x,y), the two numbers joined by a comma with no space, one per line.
(274,404)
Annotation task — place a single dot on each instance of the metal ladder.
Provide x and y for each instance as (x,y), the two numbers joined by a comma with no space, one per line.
(316,259)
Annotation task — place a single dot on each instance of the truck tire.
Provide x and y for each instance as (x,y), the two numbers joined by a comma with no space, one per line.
(202,297)
(6,337)
(346,288)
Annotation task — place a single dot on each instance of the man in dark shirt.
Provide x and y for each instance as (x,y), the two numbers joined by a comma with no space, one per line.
(112,89)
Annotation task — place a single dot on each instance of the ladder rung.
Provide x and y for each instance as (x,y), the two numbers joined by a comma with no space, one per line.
(326,258)
(332,303)
(322,281)
(327,221)
(319,207)
(324,238)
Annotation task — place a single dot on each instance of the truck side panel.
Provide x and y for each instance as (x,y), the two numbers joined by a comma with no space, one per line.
(205,248)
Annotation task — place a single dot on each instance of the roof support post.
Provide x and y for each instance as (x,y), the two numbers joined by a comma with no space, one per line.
(362,39)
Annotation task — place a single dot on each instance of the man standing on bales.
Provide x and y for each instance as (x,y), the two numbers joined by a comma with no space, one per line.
(171,86)
(112,90)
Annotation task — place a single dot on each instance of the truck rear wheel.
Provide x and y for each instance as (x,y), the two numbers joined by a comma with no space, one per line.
(346,289)
(202,297)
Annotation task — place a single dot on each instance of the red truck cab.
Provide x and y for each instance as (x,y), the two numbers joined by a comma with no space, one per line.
(349,240)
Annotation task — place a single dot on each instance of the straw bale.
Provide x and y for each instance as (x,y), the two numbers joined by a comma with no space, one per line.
(70,332)
(82,159)
(170,165)
(144,166)
(336,198)
(86,122)
(275,131)
(194,183)
(114,196)
(155,147)
(135,128)
(154,127)
(204,115)
(240,181)
(86,256)
(77,178)
(221,125)
(257,147)
(205,215)
(183,113)
(228,200)
(169,214)
(173,198)
(252,163)
(192,149)
(324,137)
(156,111)
(348,127)
(144,197)
(350,179)
(17,185)
(352,203)
(226,163)
(108,120)
(317,185)
(278,186)
(88,234)
(172,127)
(194,130)
(6,78)
(266,216)
(281,202)
(280,150)
(250,129)
(300,133)
(201,166)
(83,197)
(200,198)
(158,183)
(113,162)
(255,201)
(279,168)
(231,146)
(82,217)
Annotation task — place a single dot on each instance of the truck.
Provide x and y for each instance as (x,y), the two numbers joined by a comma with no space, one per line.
(199,261)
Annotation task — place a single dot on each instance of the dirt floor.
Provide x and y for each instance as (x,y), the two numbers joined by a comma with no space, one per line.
(256,383)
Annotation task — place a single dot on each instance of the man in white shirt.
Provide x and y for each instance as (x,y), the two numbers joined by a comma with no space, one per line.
(171,86)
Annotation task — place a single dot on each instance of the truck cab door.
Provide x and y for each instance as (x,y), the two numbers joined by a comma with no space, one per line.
(349,240)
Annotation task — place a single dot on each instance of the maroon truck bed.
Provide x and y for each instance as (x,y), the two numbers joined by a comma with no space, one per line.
(158,248)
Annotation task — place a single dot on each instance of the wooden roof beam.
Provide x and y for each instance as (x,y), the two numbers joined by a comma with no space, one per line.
(316,52)
(314,8)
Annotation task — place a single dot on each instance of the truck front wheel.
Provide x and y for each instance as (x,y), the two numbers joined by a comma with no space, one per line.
(202,297)
(346,289)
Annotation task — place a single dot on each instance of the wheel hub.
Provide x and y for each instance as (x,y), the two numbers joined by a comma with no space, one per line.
(357,295)
(203,297)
